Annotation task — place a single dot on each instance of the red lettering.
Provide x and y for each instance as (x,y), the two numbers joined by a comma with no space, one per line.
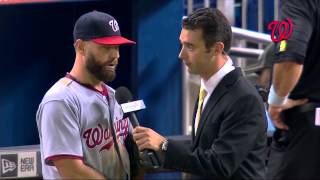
(99,135)
(282,30)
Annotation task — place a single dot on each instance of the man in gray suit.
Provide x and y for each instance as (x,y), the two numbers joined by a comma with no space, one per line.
(229,127)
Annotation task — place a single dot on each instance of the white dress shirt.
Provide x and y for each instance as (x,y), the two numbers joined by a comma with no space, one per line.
(214,80)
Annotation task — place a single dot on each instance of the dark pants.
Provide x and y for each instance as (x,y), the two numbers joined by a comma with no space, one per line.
(295,154)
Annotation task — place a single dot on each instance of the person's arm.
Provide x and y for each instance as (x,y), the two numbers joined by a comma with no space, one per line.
(75,169)
(291,55)
(286,76)
(61,141)
(264,80)
(266,59)
(146,138)
(240,130)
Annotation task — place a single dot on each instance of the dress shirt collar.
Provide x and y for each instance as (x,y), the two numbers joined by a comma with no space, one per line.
(214,80)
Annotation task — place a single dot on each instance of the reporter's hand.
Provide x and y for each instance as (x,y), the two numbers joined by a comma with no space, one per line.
(146,138)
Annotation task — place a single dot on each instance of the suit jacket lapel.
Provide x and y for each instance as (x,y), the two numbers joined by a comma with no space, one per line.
(217,94)
(194,118)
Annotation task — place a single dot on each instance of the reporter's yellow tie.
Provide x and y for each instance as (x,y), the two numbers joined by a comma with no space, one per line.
(202,95)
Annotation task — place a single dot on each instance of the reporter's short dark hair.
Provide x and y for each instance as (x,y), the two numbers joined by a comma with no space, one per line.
(215,26)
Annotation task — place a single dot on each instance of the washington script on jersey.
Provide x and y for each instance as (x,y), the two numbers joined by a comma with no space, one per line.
(102,134)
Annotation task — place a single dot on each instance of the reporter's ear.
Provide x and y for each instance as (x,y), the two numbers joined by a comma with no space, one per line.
(219,48)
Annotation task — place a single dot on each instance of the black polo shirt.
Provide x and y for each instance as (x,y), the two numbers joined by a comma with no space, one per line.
(303,46)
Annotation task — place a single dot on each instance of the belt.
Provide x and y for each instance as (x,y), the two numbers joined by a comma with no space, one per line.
(294,116)
(310,106)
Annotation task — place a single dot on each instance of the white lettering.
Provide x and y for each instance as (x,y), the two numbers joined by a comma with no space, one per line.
(114,25)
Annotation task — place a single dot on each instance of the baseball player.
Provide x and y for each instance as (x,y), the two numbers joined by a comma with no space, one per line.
(79,118)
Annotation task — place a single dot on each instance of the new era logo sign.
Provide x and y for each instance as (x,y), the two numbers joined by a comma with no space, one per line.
(27,166)
(9,165)
(114,25)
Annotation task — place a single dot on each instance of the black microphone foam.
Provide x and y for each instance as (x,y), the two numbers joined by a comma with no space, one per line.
(123,95)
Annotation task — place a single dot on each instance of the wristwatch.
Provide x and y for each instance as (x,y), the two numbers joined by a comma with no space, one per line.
(164,145)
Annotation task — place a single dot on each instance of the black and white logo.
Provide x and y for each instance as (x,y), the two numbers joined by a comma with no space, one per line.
(114,25)
(9,165)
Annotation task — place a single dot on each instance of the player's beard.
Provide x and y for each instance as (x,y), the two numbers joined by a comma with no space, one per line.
(99,70)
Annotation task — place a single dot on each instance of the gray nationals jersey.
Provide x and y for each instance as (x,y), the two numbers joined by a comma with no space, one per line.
(73,122)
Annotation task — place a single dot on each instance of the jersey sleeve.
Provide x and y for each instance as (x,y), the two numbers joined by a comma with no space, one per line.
(60,132)
(295,47)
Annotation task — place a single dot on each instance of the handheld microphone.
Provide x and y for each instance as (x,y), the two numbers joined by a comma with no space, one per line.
(124,98)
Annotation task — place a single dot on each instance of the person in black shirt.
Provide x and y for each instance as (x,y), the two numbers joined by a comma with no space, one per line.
(295,95)
(266,59)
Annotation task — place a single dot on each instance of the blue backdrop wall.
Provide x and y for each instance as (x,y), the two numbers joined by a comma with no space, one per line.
(158,67)
(158,25)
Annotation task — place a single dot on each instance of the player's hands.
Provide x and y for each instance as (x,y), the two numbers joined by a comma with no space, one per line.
(146,138)
(275,111)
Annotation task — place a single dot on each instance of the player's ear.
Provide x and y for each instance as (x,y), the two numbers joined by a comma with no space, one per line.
(79,46)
